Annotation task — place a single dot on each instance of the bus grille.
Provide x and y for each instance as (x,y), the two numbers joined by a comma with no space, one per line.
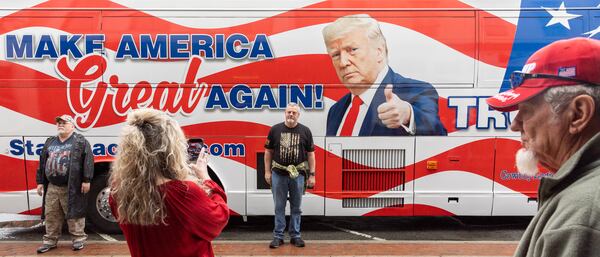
(373,181)
(360,159)
(373,170)
(372,202)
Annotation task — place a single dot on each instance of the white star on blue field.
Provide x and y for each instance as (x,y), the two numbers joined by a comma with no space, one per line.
(543,22)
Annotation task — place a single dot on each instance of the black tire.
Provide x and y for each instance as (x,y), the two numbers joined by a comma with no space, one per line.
(98,211)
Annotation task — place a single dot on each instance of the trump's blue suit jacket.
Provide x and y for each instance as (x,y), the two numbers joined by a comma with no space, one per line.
(421,95)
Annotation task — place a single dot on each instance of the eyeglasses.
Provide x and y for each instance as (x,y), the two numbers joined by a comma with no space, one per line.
(517,78)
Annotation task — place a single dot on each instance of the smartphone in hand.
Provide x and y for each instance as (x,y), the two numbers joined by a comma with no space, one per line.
(195,146)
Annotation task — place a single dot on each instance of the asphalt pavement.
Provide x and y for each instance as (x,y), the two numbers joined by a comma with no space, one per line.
(333,228)
(325,237)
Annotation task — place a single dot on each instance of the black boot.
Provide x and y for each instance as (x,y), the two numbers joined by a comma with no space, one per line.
(297,242)
(276,243)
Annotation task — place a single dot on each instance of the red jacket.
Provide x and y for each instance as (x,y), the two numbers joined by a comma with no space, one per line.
(193,220)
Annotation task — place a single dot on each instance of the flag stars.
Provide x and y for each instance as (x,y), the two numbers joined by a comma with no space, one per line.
(593,32)
(560,16)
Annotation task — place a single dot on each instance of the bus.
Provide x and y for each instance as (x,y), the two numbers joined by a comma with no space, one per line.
(225,70)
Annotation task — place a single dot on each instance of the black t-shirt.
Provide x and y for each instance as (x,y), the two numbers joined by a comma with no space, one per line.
(59,161)
(289,145)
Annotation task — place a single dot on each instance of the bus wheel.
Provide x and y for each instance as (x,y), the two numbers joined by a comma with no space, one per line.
(98,211)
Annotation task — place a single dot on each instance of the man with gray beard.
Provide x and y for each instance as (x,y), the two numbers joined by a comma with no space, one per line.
(63,179)
(289,168)
(558,98)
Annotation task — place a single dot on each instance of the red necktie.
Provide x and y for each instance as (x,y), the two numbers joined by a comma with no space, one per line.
(351,117)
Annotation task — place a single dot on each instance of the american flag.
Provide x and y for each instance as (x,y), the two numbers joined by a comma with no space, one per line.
(543,22)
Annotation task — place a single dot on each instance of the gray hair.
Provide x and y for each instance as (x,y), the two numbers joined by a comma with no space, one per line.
(292,104)
(346,24)
(560,97)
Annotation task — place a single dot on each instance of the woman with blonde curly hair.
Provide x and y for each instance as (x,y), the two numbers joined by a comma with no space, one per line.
(165,206)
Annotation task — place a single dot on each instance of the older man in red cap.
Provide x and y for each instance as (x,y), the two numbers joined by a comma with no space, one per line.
(63,177)
(557,95)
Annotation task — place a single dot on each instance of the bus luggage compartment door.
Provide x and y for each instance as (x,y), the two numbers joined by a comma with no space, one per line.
(369,176)
(454,176)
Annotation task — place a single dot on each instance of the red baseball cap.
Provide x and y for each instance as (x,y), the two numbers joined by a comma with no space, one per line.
(563,63)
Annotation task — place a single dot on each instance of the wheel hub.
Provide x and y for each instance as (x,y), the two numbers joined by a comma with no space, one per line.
(102,206)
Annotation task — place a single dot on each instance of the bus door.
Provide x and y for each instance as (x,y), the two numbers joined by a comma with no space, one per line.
(369,176)
(13,186)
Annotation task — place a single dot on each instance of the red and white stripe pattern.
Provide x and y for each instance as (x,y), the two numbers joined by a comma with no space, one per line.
(32,93)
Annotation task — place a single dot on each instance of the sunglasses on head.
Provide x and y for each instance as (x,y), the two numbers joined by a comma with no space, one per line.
(517,78)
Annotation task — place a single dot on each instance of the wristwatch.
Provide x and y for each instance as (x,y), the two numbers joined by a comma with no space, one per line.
(312,174)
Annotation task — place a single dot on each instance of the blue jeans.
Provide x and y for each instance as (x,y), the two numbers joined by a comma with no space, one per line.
(280,186)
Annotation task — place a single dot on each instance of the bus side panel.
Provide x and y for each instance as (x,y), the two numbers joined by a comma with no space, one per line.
(514,194)
(369,177)
(228,161)
(259,197)
(453,176)
(13,185)
(32,163)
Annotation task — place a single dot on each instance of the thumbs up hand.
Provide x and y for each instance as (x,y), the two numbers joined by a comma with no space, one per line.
(395,112)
